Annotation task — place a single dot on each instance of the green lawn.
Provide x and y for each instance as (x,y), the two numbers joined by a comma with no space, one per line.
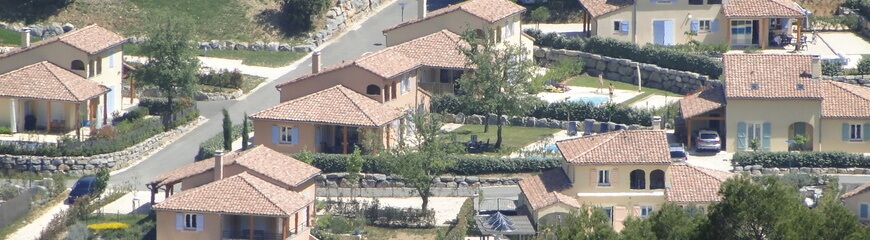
(259,58)
(207,19)
(513,138)
(13,38)
(250,82)
(141,225)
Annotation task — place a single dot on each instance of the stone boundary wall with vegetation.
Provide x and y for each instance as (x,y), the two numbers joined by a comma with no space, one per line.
(153,92)
(856,79)
(80,166)
(758,170)
(338,180)
(534,122)
(625,70)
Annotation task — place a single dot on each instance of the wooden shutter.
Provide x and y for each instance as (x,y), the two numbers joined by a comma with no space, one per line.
(695,26)
(714,25)
(614,177)
(623,26)
(845,132)
(765,136)
(865,133)
(863,211)
(741,136)
(619,214)
(179,221)
(199,223)
(593,177)
(636,211)
(294,132)
(276,134)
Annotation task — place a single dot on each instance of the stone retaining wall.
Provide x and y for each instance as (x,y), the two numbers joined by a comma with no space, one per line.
(339,180)
(79,166)
(758,170)
(858,80)
(625,70)
(535,122)
(153,92)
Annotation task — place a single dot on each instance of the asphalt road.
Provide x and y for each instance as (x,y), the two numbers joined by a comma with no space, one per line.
(367,37)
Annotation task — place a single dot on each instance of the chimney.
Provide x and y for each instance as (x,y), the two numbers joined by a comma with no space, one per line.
(218,165)
(421,8)
(25,37)
(315,62)
(817,67)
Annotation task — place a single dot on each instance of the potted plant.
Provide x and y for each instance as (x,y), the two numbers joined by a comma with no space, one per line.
(753,144)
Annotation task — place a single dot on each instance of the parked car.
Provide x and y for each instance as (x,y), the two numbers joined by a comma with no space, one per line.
(708,140)
(83,187)
(678,152)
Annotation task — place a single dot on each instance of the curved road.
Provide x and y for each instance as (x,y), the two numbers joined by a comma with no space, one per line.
(362,38)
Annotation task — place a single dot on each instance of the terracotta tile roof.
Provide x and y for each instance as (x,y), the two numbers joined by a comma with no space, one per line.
(44,80)
(856,191)
(90,39)
(436,50)
(617,147)
(596,8)
(259,159)
(543,190)
(242,194)
(762,8)
(705,100)
(776,76)
(843,100)
(488,10)
(387,63)
(691,184)
(336,105)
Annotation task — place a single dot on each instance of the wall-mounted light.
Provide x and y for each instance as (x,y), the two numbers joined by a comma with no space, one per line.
(690,16)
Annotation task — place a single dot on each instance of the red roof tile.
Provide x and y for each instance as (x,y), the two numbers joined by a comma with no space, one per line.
(705,100)
(617,147)
(90,39)
(488,10)
(596,8)
(762,8)
(774,76)
(691,184)
(843,100)
(44,80)
(336,105)
(856,191)
(543,190)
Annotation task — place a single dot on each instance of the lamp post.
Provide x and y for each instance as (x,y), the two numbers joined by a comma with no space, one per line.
(402,4)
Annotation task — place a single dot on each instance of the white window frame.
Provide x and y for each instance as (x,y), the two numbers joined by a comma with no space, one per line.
(608,210)
(604,177)
(190,221)
(646,211)
(617,26)
(664,1)
(753,128)
(705,25)
(856,132)
(286,135)
(406,83)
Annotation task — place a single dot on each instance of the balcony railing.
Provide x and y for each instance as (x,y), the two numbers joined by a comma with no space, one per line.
(245,234)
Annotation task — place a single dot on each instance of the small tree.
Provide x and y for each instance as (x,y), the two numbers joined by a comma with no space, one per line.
(831,68)
(800,142)
(864,66)
(353,168)
(245,131)
(539,15)
(585,223)
(102,181)
(228,131)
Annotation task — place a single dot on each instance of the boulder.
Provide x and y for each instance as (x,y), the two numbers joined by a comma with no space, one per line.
(492,118)
(285,48)
(474,119)
(303,48)
(472,179)
(67,27)
(516,121)
(241,46)
(53,30)
(257,46)
(460,118)
(272,46)
(542,123)
(555,124)
(216,44)
(530,121)
(446,179)
(448,118)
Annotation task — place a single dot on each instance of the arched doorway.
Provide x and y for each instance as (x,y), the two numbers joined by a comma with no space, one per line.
(657,179)
(801,133)
(638,179)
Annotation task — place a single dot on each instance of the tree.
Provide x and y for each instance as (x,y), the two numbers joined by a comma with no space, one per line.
(228,131)
(500,81)
(425,158)
(302,14)
(540,14)
(831,68)
(102,181)
(245,134)
(837,221)
(636,229)
(765,209)
(671,222)
(353,168)
(585,223)
(864,66)
(172,63)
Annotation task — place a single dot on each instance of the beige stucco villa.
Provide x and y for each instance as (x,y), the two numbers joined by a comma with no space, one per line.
(858,201)
(254,194)
(627,173)
(59,83)
(740,23)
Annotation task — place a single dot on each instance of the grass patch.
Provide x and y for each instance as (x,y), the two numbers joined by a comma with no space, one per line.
(513,137)
(251,82)
(635,99)
(592,82)
(259,58)
(13,38)
(35,212)
(379,233)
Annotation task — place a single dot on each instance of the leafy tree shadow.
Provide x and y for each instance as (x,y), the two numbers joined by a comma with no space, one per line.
(276,21)
(31,11)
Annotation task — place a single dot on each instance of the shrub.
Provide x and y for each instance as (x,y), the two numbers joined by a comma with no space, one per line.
(667,57)
(222,78)
(832,68)
(302,14)
(77,231)
(108,226)
(464,221)
(864,66)
(540,14)
(138,131)
(5,130)
(102,181)
(138,113)
(464,164)
(160,106)
(802,159)
(216,142)
(391,217)
(863,7)
(559,111)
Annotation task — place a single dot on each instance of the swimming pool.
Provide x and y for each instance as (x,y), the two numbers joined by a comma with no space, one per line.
(593,99)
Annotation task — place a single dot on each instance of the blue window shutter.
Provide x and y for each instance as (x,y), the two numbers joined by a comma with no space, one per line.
(276,134)
(112,61)
(318,136)
(865,132)
(669,32)
(864,211)
(199,223)
(623,26)
(765,136)
(714,26)
(695,25)
(179,221)
(741,136)
(295,135)
(845,132)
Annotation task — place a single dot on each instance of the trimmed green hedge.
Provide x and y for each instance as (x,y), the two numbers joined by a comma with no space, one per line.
(464,221)
(802,159)
(207,148)
(465,164)
(661,56)
(449,103)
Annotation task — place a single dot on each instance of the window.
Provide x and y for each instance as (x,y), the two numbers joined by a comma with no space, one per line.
(406,83)
(603,177)
(620,26)
(286,135)
(663,1)
(714,2)
(373,90)
(189,222)
(753,131)
(99,66)
(657,179)
(617,25)
(609,212)
(77,65)
(776,23)
(856,132)
(863,214)
(696,2)
(704,25)
(112,61)
(638,179)
(645,211)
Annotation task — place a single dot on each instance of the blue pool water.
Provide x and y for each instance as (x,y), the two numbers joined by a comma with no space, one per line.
(551,147)
(594,99)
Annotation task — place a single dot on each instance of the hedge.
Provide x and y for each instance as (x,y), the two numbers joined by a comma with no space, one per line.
(465,164)
(216,142)
(139,131)
(661,56)
(222,78)
(464,221)
(158,106)
(449,103)
(392,217)
(802,159)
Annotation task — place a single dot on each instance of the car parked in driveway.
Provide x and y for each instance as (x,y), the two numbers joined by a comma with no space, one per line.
(83,187)
(678,152)
(708,140)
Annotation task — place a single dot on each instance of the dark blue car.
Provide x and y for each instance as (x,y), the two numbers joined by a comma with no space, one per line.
(84,186)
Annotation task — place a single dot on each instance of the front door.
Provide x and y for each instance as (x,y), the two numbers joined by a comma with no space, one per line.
(741,32)
(663,32)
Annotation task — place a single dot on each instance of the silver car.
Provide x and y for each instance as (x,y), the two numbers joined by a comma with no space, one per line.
(708,140)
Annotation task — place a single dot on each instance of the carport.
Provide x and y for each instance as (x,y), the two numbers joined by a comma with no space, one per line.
(705,109)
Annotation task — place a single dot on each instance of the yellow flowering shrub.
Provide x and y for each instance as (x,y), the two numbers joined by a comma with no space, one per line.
(108,226)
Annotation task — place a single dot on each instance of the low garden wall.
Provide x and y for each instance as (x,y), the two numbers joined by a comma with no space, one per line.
(336,180)
(858,80)
(153,92)
(625,70)
(758,170)
(80,165)
(536,122)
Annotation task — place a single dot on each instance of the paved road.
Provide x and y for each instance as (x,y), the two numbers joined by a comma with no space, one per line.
(366,38)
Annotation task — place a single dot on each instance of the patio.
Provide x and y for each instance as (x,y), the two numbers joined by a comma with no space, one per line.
(40,136)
